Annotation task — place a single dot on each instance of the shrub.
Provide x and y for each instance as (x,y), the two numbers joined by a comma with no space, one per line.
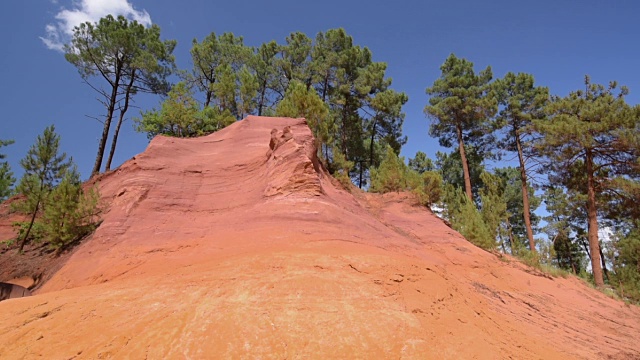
(466,219)
(391,175)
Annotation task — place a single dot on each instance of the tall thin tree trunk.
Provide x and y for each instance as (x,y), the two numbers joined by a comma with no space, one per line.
(585,246)
(592,216)
(120,120)
(465,165)
(525,195)
(325,88)
(209,93)
(33,219)
(514,250)
(262,93)
(373,134)
(568,248)
(504,249)
(207,101)
(107,123)
(604,265)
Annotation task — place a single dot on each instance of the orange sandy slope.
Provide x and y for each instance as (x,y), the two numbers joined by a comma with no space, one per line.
(211,249)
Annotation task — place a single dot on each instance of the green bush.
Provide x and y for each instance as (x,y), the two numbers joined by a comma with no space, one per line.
(466,219)
(70,213)
(626,267)
(426,186)
(66,214)
(341,167)
(391,175)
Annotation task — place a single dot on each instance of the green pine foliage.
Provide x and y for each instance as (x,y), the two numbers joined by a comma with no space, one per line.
(302,102)
(466,219)
(363,114)
(421,163)
(494,205)
(391,176)
(70,213)
(521,103)
(450,165)
(180,116)
(460,106)
(516,228)
(58,211)
(591,133)
(626,267)
(129,57)
(341,167)
(6,175)
(427,186)
(43,170)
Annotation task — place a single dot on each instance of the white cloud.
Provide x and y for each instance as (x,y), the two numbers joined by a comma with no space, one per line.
(59,32)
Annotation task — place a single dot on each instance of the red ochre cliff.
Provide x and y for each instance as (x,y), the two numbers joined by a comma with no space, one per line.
(219,247)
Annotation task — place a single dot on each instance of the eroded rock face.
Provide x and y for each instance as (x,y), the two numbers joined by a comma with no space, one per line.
(292,167)
(210,249)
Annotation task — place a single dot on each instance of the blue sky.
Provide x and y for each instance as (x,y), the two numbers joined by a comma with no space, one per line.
(557,41)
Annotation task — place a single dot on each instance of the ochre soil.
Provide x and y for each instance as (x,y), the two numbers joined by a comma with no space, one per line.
(213,248)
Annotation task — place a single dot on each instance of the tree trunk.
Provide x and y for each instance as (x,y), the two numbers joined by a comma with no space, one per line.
(107,122)
(504,249)
(592,216)
(585,246)
(120,120)
(262,93)
(208,99)
(33,219)
(568,248)
(514,251)
(343,133)
(465,165)
(604,265)
(373,134)
(525,195)
(324,88)
(209,93)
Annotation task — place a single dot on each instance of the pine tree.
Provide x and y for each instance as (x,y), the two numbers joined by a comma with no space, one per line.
(295,61)
(460,107)
(521,103)
(465,218)
(385,126)
(43,169)
(247,92)
(128,57)
(391,175)
(426,185)
(516,228)
(494,205)
(6,175)
(226,89)
(421,163)
(300,101)
(449,165)
(180,116)
(627,264)
(264,66)
(210,57)
(590,129)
